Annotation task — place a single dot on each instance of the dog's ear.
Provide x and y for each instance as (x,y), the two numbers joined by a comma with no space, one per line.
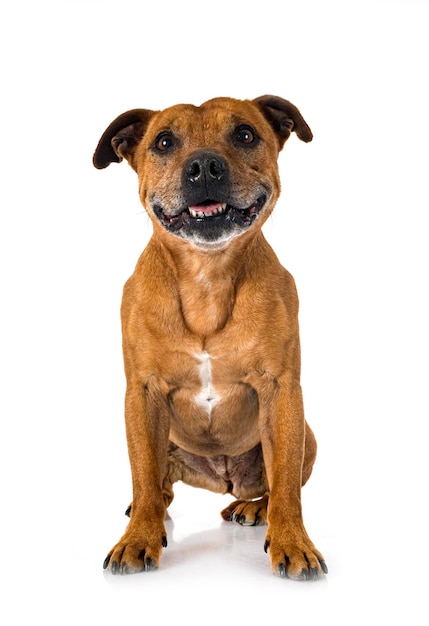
(121,138)
(284,117)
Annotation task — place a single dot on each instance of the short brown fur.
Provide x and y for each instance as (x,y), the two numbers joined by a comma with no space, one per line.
(210,328)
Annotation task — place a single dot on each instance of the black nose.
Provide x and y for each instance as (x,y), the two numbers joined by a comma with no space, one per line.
(205,168)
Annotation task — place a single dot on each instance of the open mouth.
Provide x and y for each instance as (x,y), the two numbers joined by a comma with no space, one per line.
(211,213)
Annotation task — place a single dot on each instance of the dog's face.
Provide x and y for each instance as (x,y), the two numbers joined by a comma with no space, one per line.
(206,174)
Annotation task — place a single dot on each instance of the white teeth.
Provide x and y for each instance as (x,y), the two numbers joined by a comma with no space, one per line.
(216,211)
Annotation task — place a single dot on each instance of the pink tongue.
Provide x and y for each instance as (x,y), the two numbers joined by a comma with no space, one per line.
(206,208)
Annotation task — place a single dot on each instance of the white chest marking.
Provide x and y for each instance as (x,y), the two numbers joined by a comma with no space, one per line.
(203,280)
(207,397)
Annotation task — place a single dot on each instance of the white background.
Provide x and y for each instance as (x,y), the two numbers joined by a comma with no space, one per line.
(351,225)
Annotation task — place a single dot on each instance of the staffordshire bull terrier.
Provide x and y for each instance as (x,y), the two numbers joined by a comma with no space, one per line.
(210,328)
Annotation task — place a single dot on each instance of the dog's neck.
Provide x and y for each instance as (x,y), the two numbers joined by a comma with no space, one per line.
(207,282)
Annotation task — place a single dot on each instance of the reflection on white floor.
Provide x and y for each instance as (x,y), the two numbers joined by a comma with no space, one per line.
(211,567)
(211,572)
(214,571)
(197,534)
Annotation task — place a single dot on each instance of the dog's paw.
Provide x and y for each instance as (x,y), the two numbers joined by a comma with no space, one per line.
(247,512)
(133,553)
(294,556)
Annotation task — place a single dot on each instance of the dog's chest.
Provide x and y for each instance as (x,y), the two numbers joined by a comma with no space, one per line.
(206,303)
(207,397)
(213,411)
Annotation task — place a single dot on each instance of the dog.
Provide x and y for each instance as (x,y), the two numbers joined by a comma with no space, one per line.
(210,328)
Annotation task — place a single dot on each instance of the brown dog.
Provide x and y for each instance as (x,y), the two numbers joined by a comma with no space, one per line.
(210,328)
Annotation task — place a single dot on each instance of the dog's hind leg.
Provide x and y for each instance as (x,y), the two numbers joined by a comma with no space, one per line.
(309,454)
(254,512)
(247,512)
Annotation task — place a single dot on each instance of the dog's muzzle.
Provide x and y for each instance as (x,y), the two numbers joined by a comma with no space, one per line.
(211,213)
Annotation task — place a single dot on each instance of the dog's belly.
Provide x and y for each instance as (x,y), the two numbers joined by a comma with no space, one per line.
(243,476)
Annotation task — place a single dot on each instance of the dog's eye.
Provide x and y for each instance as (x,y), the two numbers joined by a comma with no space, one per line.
(245,135)
(164,141)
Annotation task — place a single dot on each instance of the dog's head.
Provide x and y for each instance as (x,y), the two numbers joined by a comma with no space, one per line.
(206,174)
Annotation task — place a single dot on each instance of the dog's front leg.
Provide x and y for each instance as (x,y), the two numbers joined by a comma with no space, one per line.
(147,424)
(283,429)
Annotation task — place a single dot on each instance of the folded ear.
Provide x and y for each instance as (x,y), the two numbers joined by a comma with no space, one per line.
(284,117)
(121,138)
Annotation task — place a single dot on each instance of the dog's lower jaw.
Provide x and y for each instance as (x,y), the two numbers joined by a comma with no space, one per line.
(202,244)
(212,246)
(207,230)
